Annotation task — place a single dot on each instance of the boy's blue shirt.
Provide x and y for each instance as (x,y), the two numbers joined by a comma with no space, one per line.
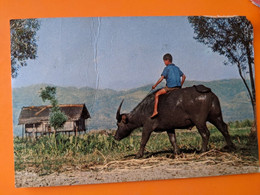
(172,74)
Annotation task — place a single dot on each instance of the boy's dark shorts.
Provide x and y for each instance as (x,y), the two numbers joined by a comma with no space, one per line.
(170,88)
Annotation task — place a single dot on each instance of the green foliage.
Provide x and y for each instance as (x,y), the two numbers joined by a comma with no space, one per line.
(48,93)
(241,124)
(23,42)
(57,118)
(231,37)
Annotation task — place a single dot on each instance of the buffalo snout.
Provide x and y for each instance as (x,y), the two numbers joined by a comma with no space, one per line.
(116,137)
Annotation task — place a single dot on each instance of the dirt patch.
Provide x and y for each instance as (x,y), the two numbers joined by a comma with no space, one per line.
(212,163)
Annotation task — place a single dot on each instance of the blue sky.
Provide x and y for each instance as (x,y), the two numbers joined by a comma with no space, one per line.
(118,53)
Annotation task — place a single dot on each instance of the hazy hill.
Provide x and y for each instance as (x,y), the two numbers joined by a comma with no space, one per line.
(102,104)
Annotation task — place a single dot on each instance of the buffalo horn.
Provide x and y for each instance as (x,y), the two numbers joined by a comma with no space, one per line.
(118,115)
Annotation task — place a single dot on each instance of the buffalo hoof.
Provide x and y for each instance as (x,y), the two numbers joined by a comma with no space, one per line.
(229,147)
(138,156)
(177,152)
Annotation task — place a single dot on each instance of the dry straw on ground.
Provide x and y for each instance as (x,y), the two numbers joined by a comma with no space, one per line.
(211,157)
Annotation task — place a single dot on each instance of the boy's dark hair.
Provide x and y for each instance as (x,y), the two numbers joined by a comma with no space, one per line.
(167,57)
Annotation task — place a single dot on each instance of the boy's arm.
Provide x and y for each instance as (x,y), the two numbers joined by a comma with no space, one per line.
(160,80)
(183,79)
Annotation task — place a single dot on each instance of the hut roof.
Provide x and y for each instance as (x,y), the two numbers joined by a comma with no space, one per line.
(36,114)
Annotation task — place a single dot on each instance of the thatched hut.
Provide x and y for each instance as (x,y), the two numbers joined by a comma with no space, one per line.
(35,119)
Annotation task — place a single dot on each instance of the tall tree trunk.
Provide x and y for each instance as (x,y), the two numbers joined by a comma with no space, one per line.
(254,127)
(252,81)
(252,99)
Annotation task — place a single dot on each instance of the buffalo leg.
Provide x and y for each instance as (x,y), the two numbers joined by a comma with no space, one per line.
(145,137)
(172,137)
(204,132)
(223,128)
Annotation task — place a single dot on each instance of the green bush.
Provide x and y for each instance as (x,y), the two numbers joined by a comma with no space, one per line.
(241,124)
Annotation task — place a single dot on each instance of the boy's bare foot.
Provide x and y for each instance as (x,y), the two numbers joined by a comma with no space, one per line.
(154,114)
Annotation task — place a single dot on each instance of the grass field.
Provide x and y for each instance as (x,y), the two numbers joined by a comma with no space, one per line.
(56,154)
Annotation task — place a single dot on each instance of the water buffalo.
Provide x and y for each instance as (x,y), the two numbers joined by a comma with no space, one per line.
(178,109)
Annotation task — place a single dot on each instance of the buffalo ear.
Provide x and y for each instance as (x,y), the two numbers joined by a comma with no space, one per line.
(124,118)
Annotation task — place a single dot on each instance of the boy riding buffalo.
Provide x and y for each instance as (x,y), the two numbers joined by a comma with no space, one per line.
(172,74)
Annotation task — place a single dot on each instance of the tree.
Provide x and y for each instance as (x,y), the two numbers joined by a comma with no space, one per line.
(57,117)
(233,38)
(23,42)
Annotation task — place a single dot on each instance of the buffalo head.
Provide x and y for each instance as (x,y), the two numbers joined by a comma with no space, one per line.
(124,126)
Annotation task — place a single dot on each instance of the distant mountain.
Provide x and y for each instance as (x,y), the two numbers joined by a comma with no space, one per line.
(103,103)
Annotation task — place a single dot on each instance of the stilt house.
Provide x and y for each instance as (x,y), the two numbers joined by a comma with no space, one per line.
(35,119)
